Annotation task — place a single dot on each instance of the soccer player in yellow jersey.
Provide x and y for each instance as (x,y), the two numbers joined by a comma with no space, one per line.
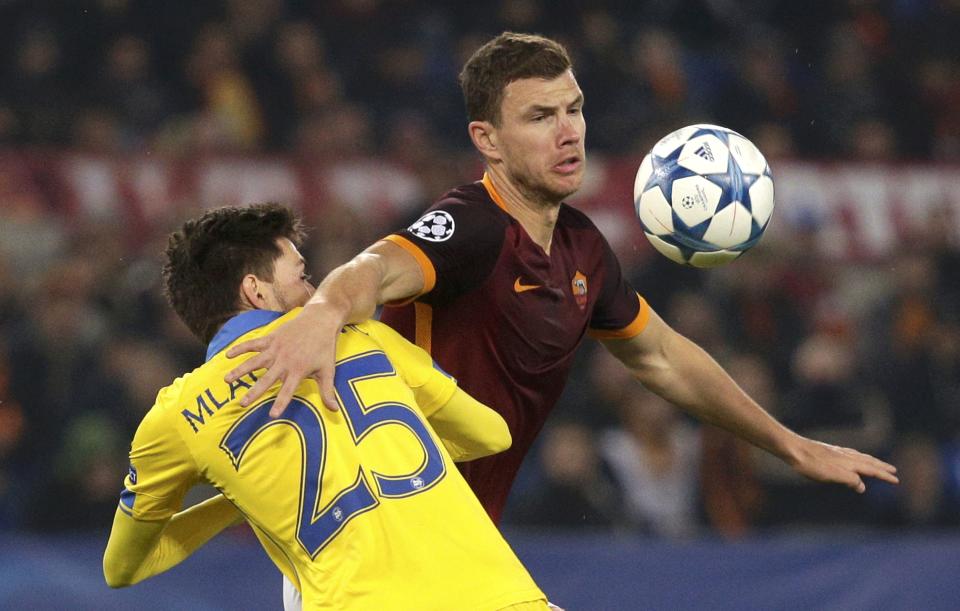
(360,507)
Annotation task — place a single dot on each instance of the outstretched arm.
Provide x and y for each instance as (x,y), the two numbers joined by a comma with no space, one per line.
(138,549)
(305,346)
(469,429)
(683,373)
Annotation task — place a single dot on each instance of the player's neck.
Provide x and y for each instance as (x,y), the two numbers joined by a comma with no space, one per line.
(538,218)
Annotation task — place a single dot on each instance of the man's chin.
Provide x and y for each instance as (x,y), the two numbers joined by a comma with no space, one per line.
(562,189)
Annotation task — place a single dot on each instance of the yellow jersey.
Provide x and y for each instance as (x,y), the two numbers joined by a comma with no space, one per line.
(362,508)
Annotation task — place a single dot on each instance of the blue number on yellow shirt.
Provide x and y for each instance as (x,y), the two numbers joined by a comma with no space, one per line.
(318,526)
(362,419)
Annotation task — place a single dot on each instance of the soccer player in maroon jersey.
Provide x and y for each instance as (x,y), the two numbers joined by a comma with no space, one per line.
(500,281)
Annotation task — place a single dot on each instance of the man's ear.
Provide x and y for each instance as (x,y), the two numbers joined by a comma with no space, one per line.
(251,292)
(484,137)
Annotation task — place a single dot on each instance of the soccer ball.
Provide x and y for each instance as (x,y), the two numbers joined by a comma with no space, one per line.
(704,195)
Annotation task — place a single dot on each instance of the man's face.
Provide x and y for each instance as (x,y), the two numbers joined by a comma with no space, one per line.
(291,286)
(541,136)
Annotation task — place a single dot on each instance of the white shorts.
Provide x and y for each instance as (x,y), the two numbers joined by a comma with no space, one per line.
(292,601)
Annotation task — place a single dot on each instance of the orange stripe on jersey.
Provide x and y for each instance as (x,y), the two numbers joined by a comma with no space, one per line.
(488,185)
(426,266)
(633,329)
(423,326)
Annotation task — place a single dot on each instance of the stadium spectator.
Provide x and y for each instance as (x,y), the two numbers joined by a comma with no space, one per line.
(41,113)
(924,503)
(131,90)
(655,458)
(731,470)
(227,101)
(906,336)
(84,470)
(575,489)
(829,400)
(13,457)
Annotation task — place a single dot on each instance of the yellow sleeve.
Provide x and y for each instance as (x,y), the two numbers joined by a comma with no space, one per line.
(469,429)
(161,468)
(432,387)
(139,549)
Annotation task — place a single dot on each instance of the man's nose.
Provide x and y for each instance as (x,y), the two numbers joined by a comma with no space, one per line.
(569,130)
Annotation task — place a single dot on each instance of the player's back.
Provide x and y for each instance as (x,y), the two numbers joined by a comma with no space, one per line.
(362,507)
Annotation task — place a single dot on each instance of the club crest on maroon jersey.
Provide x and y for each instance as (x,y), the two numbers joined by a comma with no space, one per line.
(579,287)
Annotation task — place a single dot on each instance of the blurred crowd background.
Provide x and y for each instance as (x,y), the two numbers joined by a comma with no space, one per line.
(860,351)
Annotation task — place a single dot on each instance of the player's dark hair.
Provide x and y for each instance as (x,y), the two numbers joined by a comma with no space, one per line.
(208,257)
(507,58)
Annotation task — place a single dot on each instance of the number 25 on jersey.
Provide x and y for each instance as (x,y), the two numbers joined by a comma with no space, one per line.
(318,526)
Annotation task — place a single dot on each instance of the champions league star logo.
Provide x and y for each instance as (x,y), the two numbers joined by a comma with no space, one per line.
(434,226)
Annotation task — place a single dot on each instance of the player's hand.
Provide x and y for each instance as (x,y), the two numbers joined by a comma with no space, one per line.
(303,347)
(823,462)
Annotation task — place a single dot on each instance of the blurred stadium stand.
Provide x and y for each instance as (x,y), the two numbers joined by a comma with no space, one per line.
(120,118)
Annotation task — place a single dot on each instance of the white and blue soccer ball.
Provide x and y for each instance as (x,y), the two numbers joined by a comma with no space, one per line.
(704,195)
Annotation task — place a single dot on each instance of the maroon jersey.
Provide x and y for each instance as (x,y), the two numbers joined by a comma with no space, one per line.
(504,317)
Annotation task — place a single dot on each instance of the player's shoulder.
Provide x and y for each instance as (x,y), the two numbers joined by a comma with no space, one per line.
(470,200)
(170,394)
(473,192)
(168,401)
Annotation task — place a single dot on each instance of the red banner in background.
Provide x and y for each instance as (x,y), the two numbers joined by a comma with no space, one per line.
(857,210)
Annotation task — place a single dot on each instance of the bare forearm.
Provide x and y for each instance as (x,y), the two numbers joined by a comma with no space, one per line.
(350,291)
(681,372)
(380,274)
(691,379)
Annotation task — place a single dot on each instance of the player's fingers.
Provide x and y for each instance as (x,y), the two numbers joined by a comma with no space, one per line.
(325,380)
(251,345)
(263,384)
(284,397)
(882,474)
(885,466)
(258,361)
(877,468)
(848,476)
(887,477)
(867,459)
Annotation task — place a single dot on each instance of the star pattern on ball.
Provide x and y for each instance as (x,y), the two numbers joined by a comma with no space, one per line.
(666,170)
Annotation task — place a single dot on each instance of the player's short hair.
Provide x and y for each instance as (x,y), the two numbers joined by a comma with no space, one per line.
(507,58)
(207,258)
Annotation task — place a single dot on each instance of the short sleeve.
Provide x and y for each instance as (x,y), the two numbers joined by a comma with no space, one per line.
(432,387)
(620,313)
(456,243)
(161,470)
